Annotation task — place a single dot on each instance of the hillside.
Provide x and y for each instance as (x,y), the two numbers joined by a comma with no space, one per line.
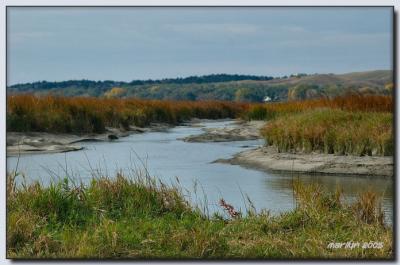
(222,87)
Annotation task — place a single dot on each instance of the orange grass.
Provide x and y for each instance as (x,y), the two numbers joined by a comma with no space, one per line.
(92,115)
(351,102)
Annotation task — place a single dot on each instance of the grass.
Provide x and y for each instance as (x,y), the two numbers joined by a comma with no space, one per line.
(142,218)
(332,132)
(58,114)
(346,125)
(351,103)
(26,113)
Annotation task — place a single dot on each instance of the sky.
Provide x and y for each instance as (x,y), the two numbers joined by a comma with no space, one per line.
(129,43)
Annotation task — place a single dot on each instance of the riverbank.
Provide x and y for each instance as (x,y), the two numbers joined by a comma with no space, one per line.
(139,218)
(262,158)
(240,130)
(269,159)
(42,142)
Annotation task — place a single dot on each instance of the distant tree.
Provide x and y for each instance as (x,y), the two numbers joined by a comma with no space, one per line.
(389,88)
(246,94)
(367,90)
(190,96)
(298,75)
(241,94)
(304,91)
(115,92)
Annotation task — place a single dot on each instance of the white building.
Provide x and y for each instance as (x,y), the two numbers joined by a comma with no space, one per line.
(267,99)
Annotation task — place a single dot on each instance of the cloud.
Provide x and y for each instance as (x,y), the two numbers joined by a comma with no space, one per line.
(58,43)
(218,28)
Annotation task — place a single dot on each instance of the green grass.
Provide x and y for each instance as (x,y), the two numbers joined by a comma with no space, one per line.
(332,131)
(141,218)
(346,125)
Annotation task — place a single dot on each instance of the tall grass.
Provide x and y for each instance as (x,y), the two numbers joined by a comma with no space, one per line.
(332,131)
(351,102)
(346,125)
(138,218)
(92,115)
(86,115)
(352,124)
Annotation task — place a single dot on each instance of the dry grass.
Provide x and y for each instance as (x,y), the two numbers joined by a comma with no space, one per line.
(351,102)
(87,115)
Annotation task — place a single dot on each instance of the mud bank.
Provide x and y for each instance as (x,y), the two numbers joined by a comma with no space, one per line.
(240,131)
(40,142)
(268,159)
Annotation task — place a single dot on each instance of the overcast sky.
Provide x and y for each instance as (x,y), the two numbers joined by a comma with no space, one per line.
(123,44)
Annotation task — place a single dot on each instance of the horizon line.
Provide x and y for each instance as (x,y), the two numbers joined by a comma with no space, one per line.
(185,77)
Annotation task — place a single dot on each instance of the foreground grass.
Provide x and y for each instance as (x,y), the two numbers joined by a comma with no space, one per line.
(138,218)
(332,131)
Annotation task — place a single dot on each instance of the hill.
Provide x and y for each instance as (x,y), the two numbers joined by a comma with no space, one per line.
(222,87)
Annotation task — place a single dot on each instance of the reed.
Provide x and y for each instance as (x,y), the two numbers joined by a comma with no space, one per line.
(91,115)
(332,131)
(352,124)
(351,102)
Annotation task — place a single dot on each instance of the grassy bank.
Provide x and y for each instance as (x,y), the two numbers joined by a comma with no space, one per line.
(352,124)
(126,218)
(85,115)
(332,131)
(53,114)
(348,125)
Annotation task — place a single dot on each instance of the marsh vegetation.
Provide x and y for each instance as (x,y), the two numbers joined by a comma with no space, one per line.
(26,113)
(136,217)
(349,125)
(141,217)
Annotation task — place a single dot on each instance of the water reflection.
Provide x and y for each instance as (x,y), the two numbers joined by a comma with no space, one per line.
(350,186)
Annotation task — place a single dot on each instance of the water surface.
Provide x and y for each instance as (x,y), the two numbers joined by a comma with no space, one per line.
(204,182)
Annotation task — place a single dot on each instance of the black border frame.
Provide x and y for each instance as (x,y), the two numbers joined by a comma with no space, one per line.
(395,140)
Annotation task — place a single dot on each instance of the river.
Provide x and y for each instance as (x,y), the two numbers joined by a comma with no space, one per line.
(167,157)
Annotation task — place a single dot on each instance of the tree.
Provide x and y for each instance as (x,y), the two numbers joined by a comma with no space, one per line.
(246,94)
(115,92)
(304,91)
